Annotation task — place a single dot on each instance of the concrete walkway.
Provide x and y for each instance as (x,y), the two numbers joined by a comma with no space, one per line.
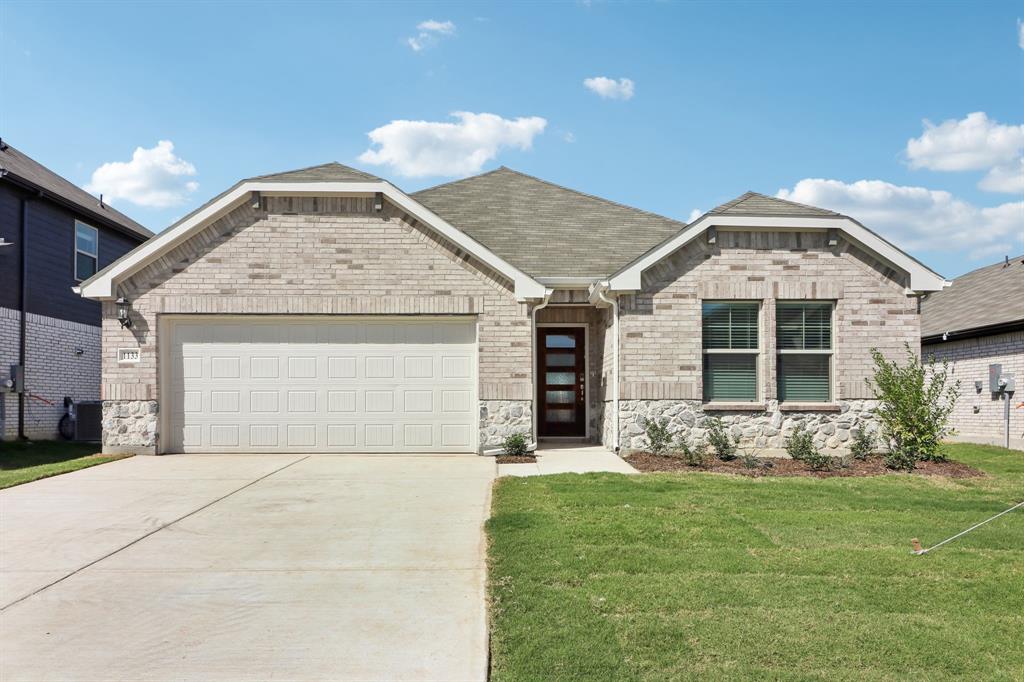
(255,567)
(570,458)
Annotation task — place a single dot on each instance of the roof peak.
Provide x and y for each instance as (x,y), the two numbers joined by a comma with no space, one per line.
(768,205)
(332,171)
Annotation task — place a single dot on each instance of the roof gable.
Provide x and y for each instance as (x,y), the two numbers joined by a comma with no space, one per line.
(753,203)
(545,229)
(326,172)
(23,167)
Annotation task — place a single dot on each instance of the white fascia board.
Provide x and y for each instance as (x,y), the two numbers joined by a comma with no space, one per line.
(104,285)
(921,278)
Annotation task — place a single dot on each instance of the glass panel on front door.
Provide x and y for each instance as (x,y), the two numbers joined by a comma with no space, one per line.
(561,390)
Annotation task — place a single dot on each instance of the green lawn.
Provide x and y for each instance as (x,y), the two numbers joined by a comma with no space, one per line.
(678,576)
(21,462)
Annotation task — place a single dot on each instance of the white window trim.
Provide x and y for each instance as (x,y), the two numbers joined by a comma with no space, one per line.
(831,352)
(758,353)
(94,256)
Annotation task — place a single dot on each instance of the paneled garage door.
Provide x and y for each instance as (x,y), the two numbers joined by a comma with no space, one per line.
(303,384)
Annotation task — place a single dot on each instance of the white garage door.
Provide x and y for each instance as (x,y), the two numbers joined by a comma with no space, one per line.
(302,384)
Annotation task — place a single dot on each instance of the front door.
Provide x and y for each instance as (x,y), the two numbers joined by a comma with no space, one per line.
(561,382)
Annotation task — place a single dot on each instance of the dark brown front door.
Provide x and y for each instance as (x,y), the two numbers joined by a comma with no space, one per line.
(560,382)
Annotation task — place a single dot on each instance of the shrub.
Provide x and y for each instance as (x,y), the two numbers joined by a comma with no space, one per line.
(863,445)
(720,440)
(658,436)
(695,455)
(750,460)
(800,446)
(515,445)
(915,401)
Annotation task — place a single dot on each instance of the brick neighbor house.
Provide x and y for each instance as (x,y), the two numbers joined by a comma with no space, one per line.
(53,235)
(325,310)
(975,323)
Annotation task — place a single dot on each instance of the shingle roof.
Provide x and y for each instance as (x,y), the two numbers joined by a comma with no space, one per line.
(28,170)
(752,203)
(327,172)
(988,296)
(544,229)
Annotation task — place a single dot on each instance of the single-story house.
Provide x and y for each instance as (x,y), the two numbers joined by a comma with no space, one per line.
(976,323)
(53,234)
(326,310)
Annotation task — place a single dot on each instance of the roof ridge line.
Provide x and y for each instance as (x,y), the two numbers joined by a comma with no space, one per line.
(797,203)
(594,196)
(458,180)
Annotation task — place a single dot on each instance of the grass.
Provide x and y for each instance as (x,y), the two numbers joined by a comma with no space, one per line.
(21,462)
(678,576)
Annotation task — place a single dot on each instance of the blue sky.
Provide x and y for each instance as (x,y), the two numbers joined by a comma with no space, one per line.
(820,102)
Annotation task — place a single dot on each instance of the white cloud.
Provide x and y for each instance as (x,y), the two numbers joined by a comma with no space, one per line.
(430,33)
(422,148)
(609,88)
(154,178)
(569,137)
(918,218)
(1020,33)
(694,214)
(1008,178)
(975,142)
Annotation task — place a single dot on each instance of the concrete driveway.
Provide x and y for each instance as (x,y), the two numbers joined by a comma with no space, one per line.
(223,567)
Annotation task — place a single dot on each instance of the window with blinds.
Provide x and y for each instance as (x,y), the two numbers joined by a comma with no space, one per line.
(803,333)
(730,342)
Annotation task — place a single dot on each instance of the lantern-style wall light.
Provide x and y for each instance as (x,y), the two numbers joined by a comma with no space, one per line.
(123,309)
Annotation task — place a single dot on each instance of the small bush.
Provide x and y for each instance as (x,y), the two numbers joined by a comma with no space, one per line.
(750,460)
(695,455)
(658,436)
(863,445)
(900,460)
(720,441)
(915,401)
(515,445)
(800,446)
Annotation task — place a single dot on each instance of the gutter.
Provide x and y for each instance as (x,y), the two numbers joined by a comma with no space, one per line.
(599,290)
(990,330)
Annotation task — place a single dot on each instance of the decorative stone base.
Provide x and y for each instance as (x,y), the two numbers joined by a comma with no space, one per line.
(763,432)
(502,418)
(130,427)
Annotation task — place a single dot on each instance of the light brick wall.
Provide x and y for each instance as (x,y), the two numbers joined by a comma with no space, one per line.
(660,327)
(53,370)
(978,415)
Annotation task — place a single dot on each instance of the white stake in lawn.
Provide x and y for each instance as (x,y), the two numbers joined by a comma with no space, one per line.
(916,544)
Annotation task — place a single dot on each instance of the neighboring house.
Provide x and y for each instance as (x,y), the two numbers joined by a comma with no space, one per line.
(977,322)
(325,310)
(52,235)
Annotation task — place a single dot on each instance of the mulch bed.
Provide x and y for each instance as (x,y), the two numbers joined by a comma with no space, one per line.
(516,459)
(774,466)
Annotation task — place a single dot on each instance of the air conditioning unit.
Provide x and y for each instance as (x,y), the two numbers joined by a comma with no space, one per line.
(89,421)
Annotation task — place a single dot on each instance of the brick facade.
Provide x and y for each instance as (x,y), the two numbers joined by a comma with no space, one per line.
(54,368)
(298,255)
(978,415)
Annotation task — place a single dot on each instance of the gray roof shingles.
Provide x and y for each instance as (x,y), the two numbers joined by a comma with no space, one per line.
(752,203)
(544,229)
(16,163)
(989,296)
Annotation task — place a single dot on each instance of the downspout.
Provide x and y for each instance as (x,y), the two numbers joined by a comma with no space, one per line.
(23,310)
(533,363)
(614,303)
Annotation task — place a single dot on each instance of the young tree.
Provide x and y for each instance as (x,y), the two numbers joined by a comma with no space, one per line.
(915,401)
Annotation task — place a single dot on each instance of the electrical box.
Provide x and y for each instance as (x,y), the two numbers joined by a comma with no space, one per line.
(993,377)
(1000,381)
(15,382)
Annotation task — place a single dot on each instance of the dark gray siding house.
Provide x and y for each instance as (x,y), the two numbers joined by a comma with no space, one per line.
(53,235)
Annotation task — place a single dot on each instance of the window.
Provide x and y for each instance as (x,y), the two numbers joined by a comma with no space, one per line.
(804,340)
(730,351)
(87,249)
